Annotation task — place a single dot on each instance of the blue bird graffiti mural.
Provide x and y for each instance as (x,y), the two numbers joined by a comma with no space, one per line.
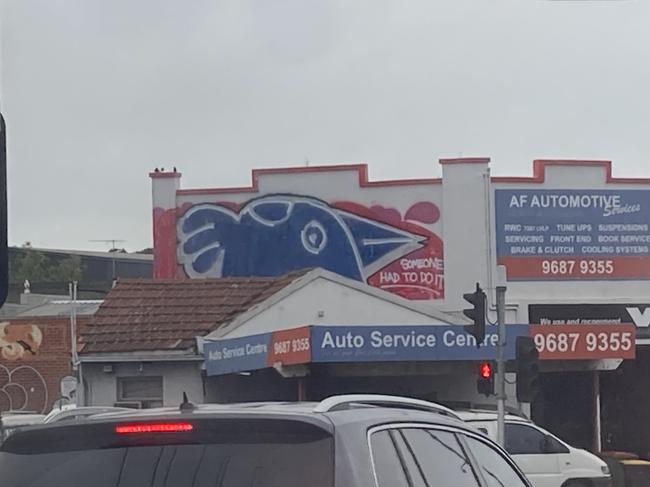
(276,234)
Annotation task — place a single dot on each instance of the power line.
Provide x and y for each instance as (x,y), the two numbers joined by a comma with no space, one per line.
(112,241)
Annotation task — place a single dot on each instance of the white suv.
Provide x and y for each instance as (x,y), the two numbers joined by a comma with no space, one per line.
(545,459)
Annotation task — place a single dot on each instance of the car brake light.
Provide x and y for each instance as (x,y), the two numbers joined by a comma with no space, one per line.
(135,428)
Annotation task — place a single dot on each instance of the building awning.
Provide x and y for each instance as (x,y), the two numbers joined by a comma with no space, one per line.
(359,343)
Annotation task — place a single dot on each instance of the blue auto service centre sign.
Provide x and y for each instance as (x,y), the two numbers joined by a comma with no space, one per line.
(358,343)
(236,354)
(406,343)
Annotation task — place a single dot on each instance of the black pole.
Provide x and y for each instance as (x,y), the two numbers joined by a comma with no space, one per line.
(4,259)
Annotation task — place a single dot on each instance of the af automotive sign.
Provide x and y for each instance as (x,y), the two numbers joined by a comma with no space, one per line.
(573,234)
(590,314)
(637,314)
(354,344)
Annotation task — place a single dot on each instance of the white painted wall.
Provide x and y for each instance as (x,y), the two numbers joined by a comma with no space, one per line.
(334,186)
(101,387)
(345,187)
(339,304)
(163,189)
(465,230)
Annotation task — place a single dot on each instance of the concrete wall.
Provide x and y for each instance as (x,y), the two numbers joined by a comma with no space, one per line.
(466,210)
(326,302)
(163,191)
(178,377)
(34,358)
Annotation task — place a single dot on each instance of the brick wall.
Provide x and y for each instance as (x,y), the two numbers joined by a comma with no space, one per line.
(34,357)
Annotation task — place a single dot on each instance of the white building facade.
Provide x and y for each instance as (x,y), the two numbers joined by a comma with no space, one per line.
(574,239)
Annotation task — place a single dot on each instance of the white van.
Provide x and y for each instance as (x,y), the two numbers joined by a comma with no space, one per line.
(545,459)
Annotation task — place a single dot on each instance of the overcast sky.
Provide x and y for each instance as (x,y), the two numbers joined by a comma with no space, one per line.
(96,93)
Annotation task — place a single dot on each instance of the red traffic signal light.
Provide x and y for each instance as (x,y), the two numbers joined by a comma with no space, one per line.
(485,380)
(486,370)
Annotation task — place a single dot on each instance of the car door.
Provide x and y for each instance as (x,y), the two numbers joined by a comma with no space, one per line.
(494,466)
(528,447)
(439,457)
(413,456)
(419,456)
(388,467)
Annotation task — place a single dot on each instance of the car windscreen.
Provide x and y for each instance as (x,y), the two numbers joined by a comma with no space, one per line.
(207,453)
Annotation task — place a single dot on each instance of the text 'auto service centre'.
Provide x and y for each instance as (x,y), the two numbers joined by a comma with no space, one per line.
(318,343)
(574,239)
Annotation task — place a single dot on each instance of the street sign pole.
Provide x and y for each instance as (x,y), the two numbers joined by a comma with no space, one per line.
(501,365)
(4,259)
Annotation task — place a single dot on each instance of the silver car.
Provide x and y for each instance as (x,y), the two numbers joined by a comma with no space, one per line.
(71,413)
(343,441)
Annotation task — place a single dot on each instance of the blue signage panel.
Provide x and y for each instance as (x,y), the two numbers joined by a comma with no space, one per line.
(237,354)
(573,234)
(406,343)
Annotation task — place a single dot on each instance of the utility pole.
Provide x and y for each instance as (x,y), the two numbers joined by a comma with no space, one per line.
(4,259)
(501,364)
(477,314)
(76,364)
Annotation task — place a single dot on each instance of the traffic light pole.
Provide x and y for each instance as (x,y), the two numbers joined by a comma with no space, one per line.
(501,365)
(4,260)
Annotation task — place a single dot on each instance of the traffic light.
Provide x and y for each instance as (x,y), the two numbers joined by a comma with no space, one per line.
(4,259)
(527,369)
(485,381)
(477,314)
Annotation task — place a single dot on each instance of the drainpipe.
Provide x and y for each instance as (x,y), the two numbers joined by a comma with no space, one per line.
(490,260)
(597,435)
(76,364)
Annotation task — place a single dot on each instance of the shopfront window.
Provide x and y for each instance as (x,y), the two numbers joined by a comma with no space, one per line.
(143,392)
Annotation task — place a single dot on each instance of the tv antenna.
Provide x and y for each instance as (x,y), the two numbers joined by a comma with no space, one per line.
(113,250)
(112,241)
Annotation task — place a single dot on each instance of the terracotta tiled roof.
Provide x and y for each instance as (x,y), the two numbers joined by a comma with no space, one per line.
(162,314)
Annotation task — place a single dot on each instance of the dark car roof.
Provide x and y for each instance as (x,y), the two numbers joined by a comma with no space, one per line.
(357,414)
(303,411)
